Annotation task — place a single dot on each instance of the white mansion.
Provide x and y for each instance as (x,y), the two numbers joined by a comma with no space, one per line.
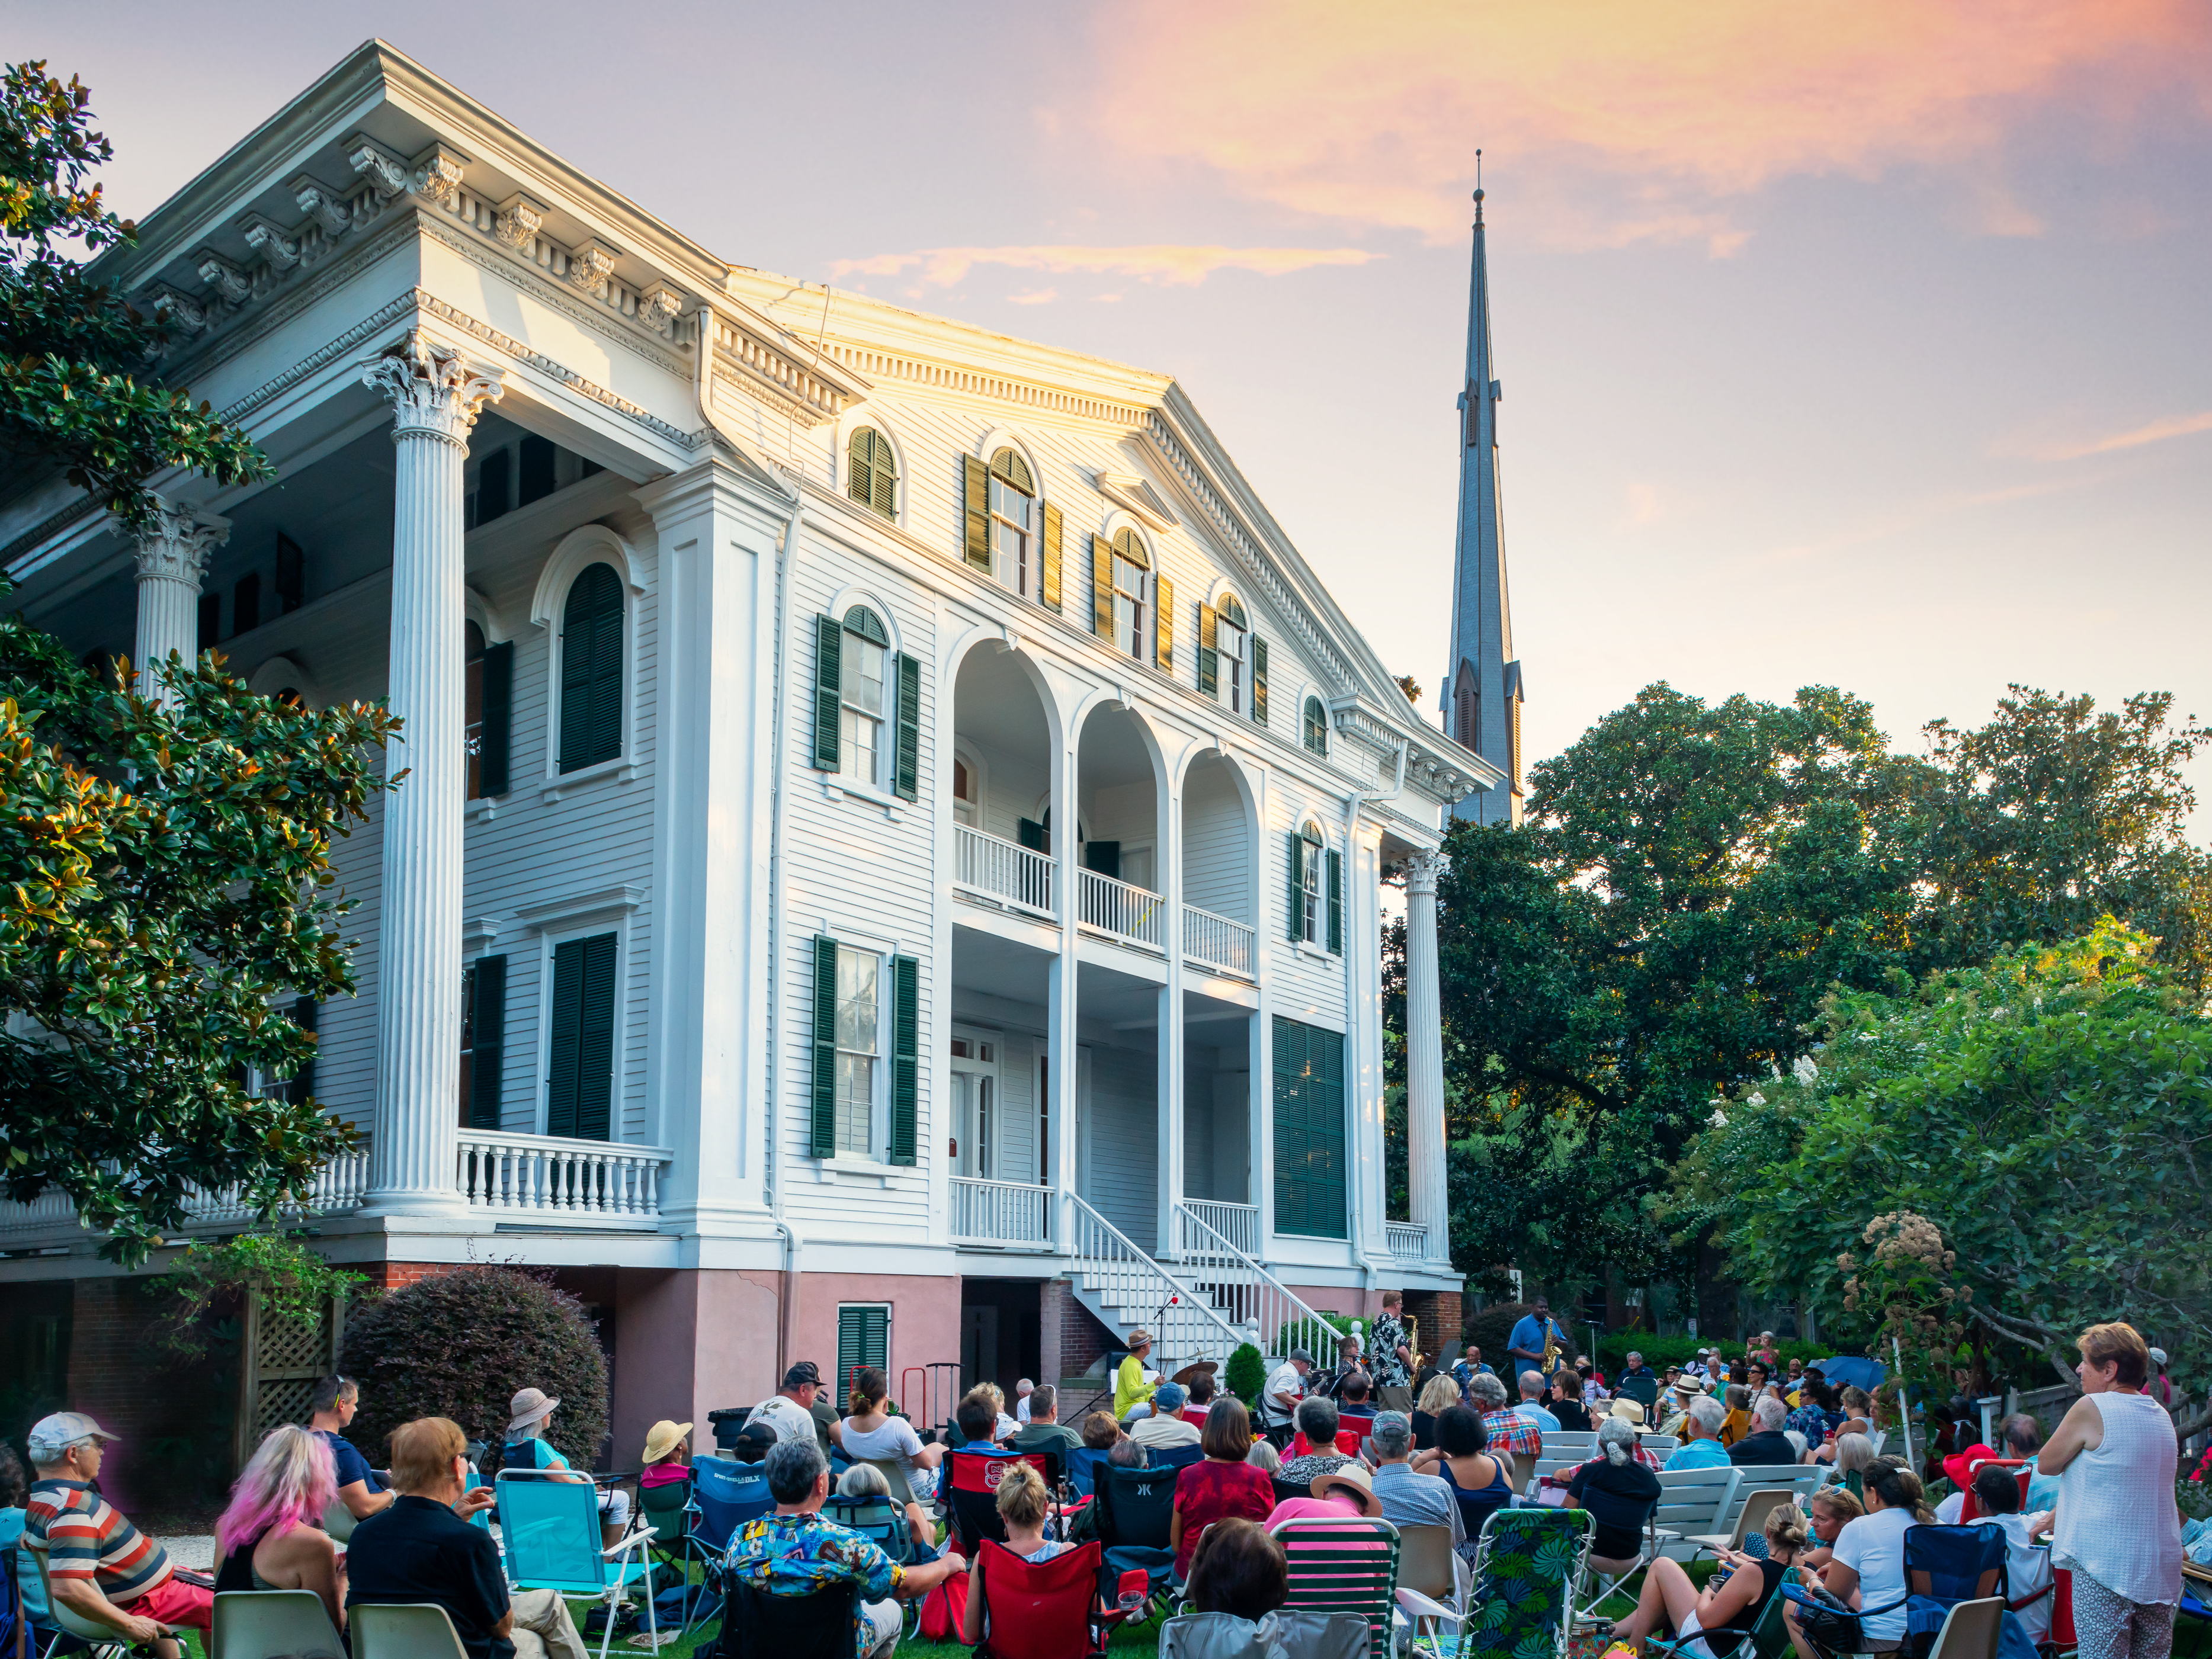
(892,864)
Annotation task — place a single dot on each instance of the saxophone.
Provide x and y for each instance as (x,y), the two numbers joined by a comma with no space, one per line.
(1551,1348)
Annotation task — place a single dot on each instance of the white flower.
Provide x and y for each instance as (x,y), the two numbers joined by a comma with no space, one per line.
(1866,1036)
(1755,1098)
(1805,1071)
(1718,1119)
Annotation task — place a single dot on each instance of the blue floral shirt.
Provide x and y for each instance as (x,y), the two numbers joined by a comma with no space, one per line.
(799,1554)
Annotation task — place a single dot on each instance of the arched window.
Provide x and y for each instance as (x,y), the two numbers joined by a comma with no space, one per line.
(1232,649)
(1013,523)
(1317,722)
(1131,564)
(592,669)
(871,471)
(861,696)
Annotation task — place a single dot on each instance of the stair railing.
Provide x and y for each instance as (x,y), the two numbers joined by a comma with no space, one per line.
(1245,1292)
(1185,1325)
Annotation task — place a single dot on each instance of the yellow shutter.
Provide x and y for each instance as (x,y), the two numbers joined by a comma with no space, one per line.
(1164,604)
(1101,587)
(1050,585)
(1209,652)
(975,480)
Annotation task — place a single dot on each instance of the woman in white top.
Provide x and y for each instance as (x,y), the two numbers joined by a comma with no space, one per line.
(2117,1528)
(874,1433)
(1868,1569)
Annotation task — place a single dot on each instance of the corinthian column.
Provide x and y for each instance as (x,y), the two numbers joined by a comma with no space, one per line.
(172,557)
(1425,1188)
(435,394)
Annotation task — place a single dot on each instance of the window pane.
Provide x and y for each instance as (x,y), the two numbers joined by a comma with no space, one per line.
(856,754)
(1126,632)
(862,671)
(856,1001)
(856,1101)
(1128,578)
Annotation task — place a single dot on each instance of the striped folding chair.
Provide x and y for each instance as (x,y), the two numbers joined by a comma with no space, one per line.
(1344,1566)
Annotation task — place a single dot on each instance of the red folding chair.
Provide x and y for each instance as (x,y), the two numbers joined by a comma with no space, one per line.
(1970,1510)
(1042,1610)
(2062,1636)
(972,1493)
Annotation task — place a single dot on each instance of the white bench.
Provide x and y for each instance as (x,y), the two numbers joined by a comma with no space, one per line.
(1691,1502)
(1800,1480)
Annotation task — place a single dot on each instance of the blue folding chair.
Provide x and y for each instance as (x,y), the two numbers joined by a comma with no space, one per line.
(1084,1463)
(551,1530)
(728,1493)
(1174,1457)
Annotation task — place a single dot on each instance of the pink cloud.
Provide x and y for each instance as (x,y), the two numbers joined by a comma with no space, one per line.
(1173,264)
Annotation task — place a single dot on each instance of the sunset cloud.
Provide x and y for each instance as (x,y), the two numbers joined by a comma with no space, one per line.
(1172,265)
(1660,116)
(2175,426)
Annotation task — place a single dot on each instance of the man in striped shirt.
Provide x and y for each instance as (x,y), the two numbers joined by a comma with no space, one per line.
(102,1568)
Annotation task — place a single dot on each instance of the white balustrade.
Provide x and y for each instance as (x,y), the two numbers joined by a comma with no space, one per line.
(1000,870)
(1217,942)
(1238,1224)
(1233,1281)
(1002,1213)
(337,1188)
(590,1183)
(1138,1290)
(1127,912)
(1408,1239)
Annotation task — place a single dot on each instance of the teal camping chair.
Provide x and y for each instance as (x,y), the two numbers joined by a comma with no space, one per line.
(551,1528)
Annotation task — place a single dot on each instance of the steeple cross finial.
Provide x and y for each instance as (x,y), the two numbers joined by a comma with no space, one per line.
(1478,186)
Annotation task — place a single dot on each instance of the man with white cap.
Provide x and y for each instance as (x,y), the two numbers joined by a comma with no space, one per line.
(101,1568)
(527,1447)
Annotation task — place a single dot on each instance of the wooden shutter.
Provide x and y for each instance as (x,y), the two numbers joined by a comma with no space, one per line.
(864,1338)
(1335,878)
(829,677)
(302,1086)
(1296,864)
(1031,833)
(1259,678)
(592,669)
(488,1052)
(1049,562)
(565,1026)
(1289,1106)
(1101,587)
(905,1057)
(1209,654)
(1164,623)
(906,774)
(580,1094)
(1309,1130)
(975,495)
(822,1118)
(497,738)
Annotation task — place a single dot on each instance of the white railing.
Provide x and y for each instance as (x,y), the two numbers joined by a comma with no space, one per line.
(1000,870)
(1242,1291)
(1408,1239)
(592,1183)
(1129,913)
(1217,942)
(337,1188)
(1239,1223)
(1136,1290)
(1004,1212)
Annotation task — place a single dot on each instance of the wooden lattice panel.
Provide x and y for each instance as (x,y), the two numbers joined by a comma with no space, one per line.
(293,1347)
(285,1401)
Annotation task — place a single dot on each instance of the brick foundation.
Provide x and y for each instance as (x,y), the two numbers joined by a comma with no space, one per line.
(1438,1316)
(1071,1336)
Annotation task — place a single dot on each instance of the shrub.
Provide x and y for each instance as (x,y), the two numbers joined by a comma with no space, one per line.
(1246,1374)
(1490,1329)
(461,1344)
(1661,1352)
(1305,1334)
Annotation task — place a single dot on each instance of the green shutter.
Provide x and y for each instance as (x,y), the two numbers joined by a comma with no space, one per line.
(1309,1130)
(592,669)
(1164,623)
(488,1051)
(1209,657)
(301,1089)
(975,493)
(1031,833)
(864,1338)
(907,782)
(1335,876)
(579,1091)
(1049,565)
(1101,587)
(565,1029)
(821,1137)
(1295,923)
(828,675)
(1290,1106)
(497,740)
(905,1057)
(1259,679)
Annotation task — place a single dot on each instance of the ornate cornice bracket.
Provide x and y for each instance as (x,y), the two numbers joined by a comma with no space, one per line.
(437,175)
(432,388)
(590,262)
(385,172)
(659,307)
(269,239)
(320,203)
(519,222)
(178,545)
(230,284)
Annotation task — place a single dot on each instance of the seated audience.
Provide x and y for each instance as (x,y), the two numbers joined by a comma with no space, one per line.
(1101,1432)
(1317,1427)
(790,1410)
(754,1443)
(1343,1491)
(1830,1509)
(874,1433)
(102,1568)
(1701,1447)
(1201,1391)
(794,1551)
(1565,1402)
(1409,1498)
(1165,1427)
(1619,1494)
(2027,1567)
(527,1447)
(331,1410)
(867,1481)
(976,1420)
(1867,1568)
(1044,1431)
(1007,1426)
(1023,1389)
(1355,1395)
(1532,1405)
(1264,1457)
(1024,1505)
(1482,1478)
(667,1454)
(1767,1445)
(1733,1600)
(1237,1569)
(14,1485)
(1220,1485)
(1737,1423)
(2023,1439)
(1129,1454)
(1503,1431)
(422,1548)
(1959,1469)
(1441,1395)
(272,1536)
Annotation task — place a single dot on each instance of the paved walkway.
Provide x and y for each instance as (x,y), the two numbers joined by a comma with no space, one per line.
(195,1550)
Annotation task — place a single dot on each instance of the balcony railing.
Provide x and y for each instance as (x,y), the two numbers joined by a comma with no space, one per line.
(1237,1224)
(1001,871)
(1408,1239)
(1008,1214)
(1217,942)
(337,1188)
(1127,912)
(544,1178)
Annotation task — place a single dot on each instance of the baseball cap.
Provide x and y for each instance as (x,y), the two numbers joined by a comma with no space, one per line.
(753,1442)
(1297,1354)
(1169,1396)
(51,1438)
(800,1375)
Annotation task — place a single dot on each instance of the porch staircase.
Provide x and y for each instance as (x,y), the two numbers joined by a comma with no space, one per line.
(1198,1308)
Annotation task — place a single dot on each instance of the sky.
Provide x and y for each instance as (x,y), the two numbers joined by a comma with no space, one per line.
(1861,343)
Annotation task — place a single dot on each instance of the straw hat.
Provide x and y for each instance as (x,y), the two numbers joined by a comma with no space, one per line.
(1631,1412)
(1352,1478)
(662,1437)
(530,1406)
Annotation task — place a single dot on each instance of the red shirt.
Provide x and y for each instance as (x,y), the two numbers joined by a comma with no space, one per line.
(1348,1443)
(1207,1492)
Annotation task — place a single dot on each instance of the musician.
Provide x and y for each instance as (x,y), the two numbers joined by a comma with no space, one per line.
(1537,1342)
(1390,1354)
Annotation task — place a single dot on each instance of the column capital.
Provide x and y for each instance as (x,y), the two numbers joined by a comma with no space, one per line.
(434,391)
(176,546)
(1422,870)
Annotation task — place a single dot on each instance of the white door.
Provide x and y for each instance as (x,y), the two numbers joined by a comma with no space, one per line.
(975,1105)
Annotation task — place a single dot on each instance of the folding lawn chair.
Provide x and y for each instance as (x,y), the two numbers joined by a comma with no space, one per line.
(1349,1566)
(967,1482)
(1285,1633)
(1136,1508)
(1946,1566)
(1042,1609)
(1970,1629)
(551,1530)
(759,1625)
(673,1513)
(404,1630)
(726,1494)
(1434,1582)
(1527,1563)
(1969,1508)
(1174,1457)
(272,1625)
(101,1637)
(1083,1463)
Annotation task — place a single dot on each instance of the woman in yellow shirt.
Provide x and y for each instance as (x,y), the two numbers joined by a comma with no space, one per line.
(1130,1388)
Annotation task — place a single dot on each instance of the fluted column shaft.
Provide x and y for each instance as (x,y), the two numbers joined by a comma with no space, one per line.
(435,394)
(1427,1196)
(172,559)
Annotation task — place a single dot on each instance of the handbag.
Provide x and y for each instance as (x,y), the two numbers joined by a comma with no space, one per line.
(944,1608)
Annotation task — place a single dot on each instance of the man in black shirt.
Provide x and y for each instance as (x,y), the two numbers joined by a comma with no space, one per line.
(423,1549)
(1767,1447)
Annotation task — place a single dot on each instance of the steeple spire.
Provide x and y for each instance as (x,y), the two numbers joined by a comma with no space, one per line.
(1481,695)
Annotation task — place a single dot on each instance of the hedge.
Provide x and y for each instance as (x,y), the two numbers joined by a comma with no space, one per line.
(1661,1352)
(1305,1334)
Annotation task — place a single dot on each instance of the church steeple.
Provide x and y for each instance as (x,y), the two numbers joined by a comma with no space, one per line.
(1480,696)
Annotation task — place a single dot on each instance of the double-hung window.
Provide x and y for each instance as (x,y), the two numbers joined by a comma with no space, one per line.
(1316,726)
(1131,567)
(1309,898)
(866,1084)
(1231,642)
(867,704)
(859,1048)
(860,696)
(1013,524)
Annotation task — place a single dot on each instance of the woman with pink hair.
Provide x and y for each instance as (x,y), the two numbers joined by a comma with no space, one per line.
(272,1536)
